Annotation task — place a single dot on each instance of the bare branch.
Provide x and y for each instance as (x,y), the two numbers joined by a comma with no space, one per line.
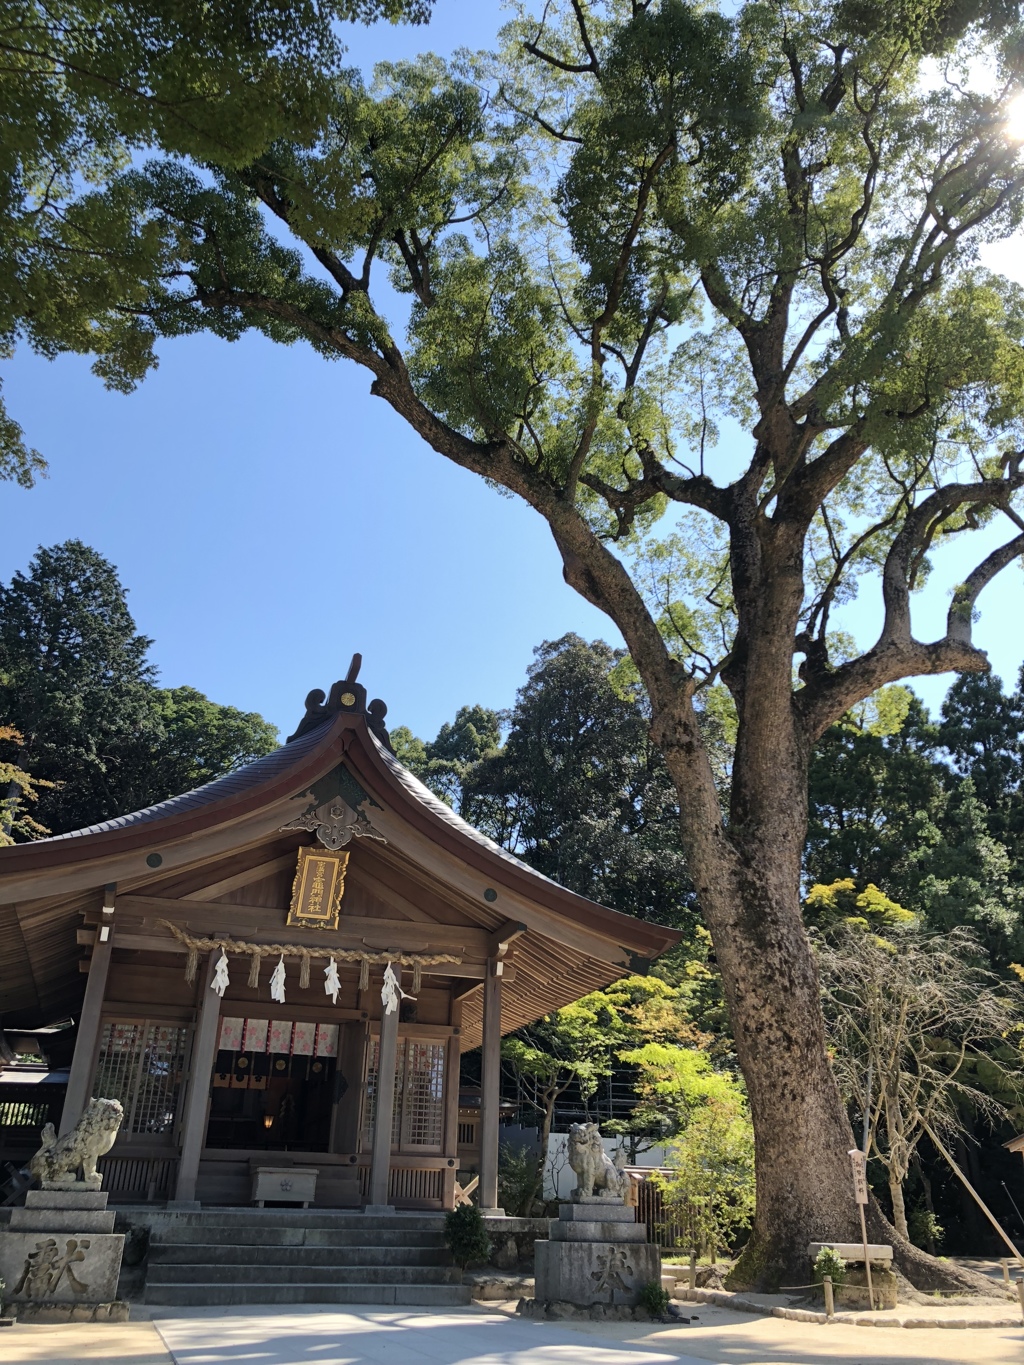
(961,612)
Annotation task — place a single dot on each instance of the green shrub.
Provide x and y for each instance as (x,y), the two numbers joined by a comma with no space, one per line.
(655,1298)
(925,1229)
(829,1262)
(465,1235)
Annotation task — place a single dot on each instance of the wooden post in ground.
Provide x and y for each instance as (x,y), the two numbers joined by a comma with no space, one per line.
(860,1193)
(204,1048)
(693,1270)
(490,1088)
(387,1061)
(83,1065)
(830,1304)
(1020,1295)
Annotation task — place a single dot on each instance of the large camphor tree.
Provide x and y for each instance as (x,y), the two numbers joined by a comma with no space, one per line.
(702,287)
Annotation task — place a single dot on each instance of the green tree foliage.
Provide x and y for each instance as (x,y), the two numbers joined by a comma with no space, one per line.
(584,795)
(99,737)
(928,813)
(711,1156)
(84,85)
(447,763)
(17,788)
(74,679)
(201,740)
(869,789)
(982,731)
(577,790)
(842,904)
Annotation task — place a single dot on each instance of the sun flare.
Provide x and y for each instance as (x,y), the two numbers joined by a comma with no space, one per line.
(1015,118)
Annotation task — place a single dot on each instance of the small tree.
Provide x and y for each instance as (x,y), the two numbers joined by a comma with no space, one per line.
(711,1185)
(918,1036)
(519,1174)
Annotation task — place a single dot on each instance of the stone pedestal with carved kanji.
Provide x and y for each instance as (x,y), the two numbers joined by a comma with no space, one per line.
(61,1257)
(596,1253)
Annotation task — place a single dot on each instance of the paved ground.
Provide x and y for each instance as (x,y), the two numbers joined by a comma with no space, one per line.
(130,1343)
(318,1336)
(395,1336)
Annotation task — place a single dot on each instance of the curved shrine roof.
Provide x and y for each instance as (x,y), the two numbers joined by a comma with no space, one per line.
(252,805)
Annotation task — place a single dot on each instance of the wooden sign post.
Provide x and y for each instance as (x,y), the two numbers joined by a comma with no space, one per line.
(860,1192)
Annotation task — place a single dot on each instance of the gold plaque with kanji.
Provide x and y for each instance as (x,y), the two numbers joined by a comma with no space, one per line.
(316,891)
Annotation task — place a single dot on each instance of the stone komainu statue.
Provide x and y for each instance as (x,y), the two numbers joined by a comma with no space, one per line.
(596,1174)
(58,1161)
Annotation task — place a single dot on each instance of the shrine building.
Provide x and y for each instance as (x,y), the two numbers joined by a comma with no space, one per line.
(280,971)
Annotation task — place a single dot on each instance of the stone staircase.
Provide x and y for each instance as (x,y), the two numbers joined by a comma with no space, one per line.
(231,1256)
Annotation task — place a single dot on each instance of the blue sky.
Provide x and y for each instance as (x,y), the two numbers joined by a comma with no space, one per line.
(269,518)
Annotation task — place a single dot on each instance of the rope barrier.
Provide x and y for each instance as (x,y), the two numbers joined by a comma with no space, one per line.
(257,951)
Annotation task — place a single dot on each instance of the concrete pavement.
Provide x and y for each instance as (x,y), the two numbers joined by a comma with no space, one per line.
(368,1336)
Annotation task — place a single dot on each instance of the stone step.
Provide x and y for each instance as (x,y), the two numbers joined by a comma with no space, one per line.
(339,1219)
(198,1295)
(243,1254)
(300,1274)
(269,1235)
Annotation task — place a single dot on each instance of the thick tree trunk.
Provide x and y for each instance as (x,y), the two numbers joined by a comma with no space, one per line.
(747,878)
(801,1128)
(802,1133)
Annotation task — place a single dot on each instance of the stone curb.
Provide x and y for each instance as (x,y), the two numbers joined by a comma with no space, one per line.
(741,1305)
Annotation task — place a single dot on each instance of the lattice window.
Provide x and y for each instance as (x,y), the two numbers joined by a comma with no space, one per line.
(140,1064)
(418,1120)
(423,1096)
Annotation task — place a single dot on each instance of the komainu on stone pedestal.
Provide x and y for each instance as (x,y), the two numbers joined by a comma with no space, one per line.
(57,1163)
(597,1176)
(596,1252)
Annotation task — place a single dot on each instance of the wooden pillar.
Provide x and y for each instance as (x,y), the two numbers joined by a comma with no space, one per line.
(452,1068)
(83,1065)
(204,1048)
(387,1059)
(490,1087)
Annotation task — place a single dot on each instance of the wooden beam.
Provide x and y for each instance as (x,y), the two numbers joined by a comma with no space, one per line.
(387,1056)
(456,877)
(240,879)
(197,1100)
(490,1086)
(159,943)
(499,940)
(87,1043)
(211,919)
(179,855)
(361,878)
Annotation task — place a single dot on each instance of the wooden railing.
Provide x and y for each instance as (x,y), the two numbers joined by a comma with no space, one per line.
(130,1177)
(666,1227)
(416,1182)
